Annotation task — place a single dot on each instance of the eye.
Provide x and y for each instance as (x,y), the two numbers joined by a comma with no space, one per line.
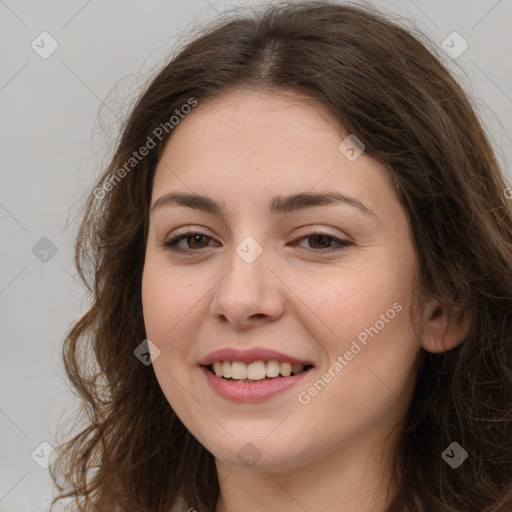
(195,240)
(324,240)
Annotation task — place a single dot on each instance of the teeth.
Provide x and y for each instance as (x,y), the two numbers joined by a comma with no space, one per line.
(217,368)
(226,369)
(238,370)
(286,369)
(272,369)
(257,370)
(297,368)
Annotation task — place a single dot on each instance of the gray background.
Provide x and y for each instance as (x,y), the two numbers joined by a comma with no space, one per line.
(60,119)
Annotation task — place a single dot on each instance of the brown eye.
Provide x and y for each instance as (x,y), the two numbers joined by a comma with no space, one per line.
(196,239)
(322,242)
(193,241)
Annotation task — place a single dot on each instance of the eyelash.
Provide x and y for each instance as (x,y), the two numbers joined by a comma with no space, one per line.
(170,244)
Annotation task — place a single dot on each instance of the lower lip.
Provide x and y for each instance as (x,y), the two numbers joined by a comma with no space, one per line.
(247,391)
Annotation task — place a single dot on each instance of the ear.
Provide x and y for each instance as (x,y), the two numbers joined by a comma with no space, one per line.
(444,330)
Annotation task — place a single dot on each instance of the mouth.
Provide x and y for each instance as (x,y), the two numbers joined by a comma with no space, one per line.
(256,381)
(253,375)
(256,371)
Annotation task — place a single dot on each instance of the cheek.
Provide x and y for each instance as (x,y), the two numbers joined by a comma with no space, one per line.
(371,355)
(364,317)
(169,307)
(342,306)
(166,300)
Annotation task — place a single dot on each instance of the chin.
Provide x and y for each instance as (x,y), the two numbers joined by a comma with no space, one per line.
(278,451)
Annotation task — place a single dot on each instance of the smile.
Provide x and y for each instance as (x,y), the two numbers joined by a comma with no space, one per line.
(252,374)
(245,389)
(256,371)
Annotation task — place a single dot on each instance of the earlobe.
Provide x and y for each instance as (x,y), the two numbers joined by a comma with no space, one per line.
(444,330)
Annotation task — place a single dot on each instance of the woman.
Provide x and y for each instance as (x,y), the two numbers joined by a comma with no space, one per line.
(301,261)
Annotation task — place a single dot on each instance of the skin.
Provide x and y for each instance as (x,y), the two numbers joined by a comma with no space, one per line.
(297,297)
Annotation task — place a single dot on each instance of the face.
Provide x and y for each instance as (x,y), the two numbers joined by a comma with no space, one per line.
(251,279)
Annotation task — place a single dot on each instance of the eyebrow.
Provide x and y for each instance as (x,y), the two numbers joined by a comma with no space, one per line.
(277,205)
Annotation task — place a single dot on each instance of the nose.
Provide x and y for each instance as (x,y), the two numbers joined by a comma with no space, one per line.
(250,293)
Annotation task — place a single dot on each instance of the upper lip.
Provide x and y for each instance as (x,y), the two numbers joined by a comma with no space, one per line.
(249,356)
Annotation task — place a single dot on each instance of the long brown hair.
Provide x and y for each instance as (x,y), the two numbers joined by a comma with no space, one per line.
(382,84)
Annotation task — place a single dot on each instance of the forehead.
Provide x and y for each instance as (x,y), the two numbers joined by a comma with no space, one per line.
(240,121)
(248,144)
